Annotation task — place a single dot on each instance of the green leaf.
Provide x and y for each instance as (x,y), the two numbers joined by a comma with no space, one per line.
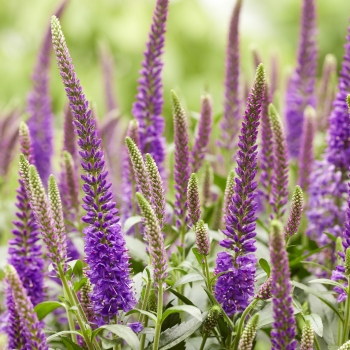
(137,249)
(198,255)
(181,297)
(121,331)
(304,257)
(192,310)
(131,221)
(262,225)
(265,266)
(46,307)
(177,334)
(319,296)
(316,323)
(318,265)
(191,277)
(328,281)
(79,284)
(78,269)
(70,345)
(61,333)
(143,312)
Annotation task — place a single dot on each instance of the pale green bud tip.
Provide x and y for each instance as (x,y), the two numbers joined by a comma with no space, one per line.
(67,157)
(247,338)
(348,100)
(178,110)
(55,24)
(276,228)
(310,112)
(273,114)
(330,60)
(347,262)
(10,270)
(307,338)
(23,129)
(23,163)
(345,346)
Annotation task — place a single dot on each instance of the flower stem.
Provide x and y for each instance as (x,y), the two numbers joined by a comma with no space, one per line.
(71,300)
(347,316)
(159,317)
(145,299)
(143,336)
(207,273)
(205,337)
(241,322)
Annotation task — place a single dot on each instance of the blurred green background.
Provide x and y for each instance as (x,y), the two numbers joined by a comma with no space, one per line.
(194,52)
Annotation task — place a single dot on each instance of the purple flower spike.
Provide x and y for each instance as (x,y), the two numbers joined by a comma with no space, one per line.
(105,249)
(193,202)
(69,136)
(231,118)
(266,157)
(25,249)
(149,101)
(280,165)
(235,289)
(284,327)
(300,91)
(339,127)
(306,155)
(21,309)
(182,159)
(39,107)
(202,139)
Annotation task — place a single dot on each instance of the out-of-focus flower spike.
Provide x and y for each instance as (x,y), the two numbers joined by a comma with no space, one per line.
(149,101)
(71,178)
(128,178)
(25,249)
(229,192)
(274,74)
(284,327)
(182,159)
(193,202)
(216,222)
(231,118)
(326,92)
(155,239)
(105,249)
(52,236)
(295,213)
(157,189)
(306,155)
(31,329)
(202,238)
(69,136)
(281,166)
(248,335)
(140,170)
(108,76)
(25,142)
(14,327)
(39,107)
(266,156)
(235,288)
(256,56)
(208,179)
(301,87)
(307,338)
(204,130)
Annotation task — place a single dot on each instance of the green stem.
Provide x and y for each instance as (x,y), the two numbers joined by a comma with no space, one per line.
(241,322)
(71,326)
(159,316)
(205,337)
(207,273)
(316,343)
(145,299)
(143,336)
(71,300)
(347,315)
